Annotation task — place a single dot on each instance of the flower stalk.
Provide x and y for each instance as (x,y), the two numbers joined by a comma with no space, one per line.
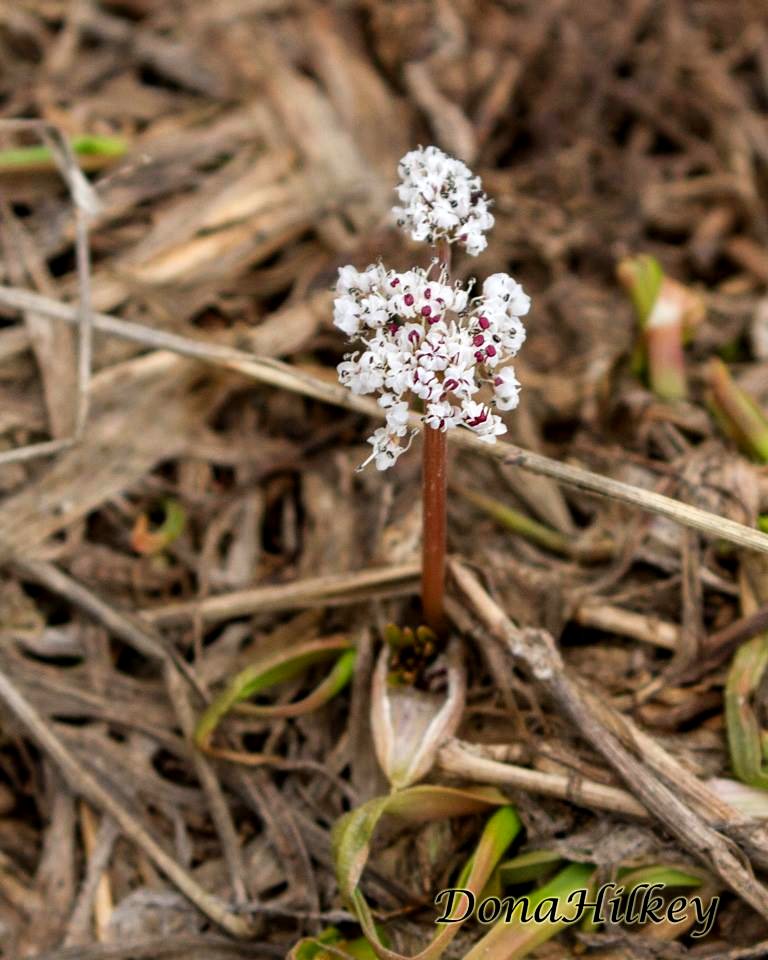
(434,539)
(434,342)
(435,533)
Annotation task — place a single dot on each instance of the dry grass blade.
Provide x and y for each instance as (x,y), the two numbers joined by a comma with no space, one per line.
(220,813)
(52,341)
(627,623)
(91,891)
(85,204)
(158,948)
(133,631)
(460,760)
(282,375)
(536,649)
(717,527)
(48,448)
(179,497)
(84,784)
(343,588)
(151,417)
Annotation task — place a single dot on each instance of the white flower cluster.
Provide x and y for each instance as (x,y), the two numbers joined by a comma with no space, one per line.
(442,200)
(425,338)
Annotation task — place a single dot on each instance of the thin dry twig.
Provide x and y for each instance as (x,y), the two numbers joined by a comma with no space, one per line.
(98,861)
(222,818)
(333,589)
(600,615)
(47,448)
(83,783)
(282,375)
(133,631)
(537,650)
(85,204)
(460,760)
(154,948)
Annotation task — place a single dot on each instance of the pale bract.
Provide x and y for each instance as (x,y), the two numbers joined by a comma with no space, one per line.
(409,725)
(441,199)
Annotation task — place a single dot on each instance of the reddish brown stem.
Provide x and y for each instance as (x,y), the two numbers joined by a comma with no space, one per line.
(434,488)
(434,535)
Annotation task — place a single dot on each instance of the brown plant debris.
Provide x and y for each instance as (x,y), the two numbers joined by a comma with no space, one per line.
(179,183)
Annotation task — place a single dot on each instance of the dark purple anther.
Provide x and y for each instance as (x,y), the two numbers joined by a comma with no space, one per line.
(408,299)
(426,311)
(451,384)
(490,351)
(483,323)
(395,282)
(479,356)
(478,339)
(414,337)
(428,293)
(478,420)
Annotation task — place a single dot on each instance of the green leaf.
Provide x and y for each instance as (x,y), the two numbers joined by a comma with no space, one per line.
(518,522)
(642,277)
(147,541)
(514,940)
(658,873)
(340,675)
(330,943)
(532,865)
(631,877)
(742,722)
(351,839)
(278,668)
(736,412)
(314,948)
(352,833)
(352,836)
(41,157)
(499,832)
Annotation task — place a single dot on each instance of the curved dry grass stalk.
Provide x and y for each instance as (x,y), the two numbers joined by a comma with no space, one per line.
(84,784)
(284,376)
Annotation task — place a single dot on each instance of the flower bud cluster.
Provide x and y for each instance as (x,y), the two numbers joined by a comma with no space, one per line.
(442,200)
(423,337)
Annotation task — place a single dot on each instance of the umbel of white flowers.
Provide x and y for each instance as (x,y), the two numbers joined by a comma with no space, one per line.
(423,337)
(441,199)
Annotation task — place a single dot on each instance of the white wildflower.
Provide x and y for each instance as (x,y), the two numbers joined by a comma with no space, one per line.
(506,389)
(422,337)
(486,424)
(442,200)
